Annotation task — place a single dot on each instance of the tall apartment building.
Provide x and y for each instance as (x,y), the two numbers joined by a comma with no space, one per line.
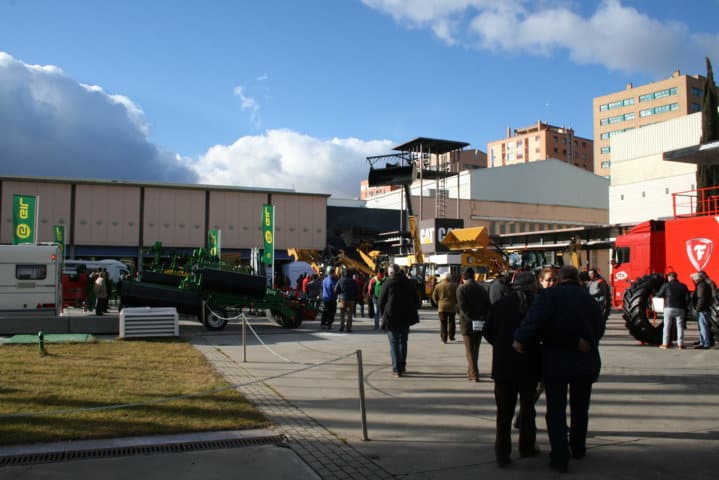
(636,107)
(541,142)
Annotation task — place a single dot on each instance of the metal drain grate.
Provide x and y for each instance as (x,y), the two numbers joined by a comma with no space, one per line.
(53,457)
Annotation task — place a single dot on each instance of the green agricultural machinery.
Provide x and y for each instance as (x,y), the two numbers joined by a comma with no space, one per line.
(212,291)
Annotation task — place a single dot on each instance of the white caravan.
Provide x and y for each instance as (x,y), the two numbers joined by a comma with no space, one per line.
(30,278)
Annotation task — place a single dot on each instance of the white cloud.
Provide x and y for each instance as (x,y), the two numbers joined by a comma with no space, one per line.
(249,103)
(616,36)
(288,159)
(55,126)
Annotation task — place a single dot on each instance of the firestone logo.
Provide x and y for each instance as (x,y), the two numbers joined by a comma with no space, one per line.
(699,251)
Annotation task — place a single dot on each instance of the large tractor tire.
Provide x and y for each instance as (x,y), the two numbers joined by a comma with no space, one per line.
(714,321)
(638,309)
(214,318)
(287,321)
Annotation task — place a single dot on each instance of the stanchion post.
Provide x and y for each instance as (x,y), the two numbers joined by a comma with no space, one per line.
(244,338)
(363,410)
(41,343)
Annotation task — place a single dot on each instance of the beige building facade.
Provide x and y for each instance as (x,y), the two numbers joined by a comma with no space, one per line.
(541,141)
(109,218)
(636,107)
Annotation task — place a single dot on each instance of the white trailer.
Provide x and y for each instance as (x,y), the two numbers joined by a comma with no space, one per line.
(30,278)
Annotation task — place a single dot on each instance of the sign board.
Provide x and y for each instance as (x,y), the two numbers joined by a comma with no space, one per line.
(433,231)
(214,243)
(24,219)
(268,234)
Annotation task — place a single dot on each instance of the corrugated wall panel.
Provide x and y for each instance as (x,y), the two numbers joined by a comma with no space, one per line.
(54,207)
(107,215)
(657,138)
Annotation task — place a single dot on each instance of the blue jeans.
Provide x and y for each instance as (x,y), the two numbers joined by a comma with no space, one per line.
(375,300)
(398,348)
(705,334)
(673,315)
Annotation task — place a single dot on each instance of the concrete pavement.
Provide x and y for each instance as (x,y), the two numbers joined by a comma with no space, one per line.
(653,412)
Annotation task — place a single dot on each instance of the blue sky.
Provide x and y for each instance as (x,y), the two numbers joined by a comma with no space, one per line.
(296,94)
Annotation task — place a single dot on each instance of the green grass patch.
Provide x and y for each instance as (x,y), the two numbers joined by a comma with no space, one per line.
(77,376)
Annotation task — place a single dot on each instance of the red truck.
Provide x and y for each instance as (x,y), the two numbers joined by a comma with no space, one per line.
(644,255)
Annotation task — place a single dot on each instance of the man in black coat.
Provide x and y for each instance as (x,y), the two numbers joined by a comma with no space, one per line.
(513,373)
(568,323)
(398,304)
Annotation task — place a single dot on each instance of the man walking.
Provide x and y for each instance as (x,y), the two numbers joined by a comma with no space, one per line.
(676,298)
(346,290)
(398,304)
(445,296)
(569,324)
(329,299)
(473,304)
(373,289)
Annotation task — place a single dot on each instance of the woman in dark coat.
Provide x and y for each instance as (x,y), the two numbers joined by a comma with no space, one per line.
(513,373)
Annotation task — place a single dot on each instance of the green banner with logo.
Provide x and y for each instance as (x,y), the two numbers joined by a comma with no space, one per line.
(214,243)
(24,216)
(268,234)
(58,234)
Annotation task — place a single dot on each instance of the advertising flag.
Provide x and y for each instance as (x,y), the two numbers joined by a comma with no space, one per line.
(58,233)
(268,234)
(214,243)
(24,218)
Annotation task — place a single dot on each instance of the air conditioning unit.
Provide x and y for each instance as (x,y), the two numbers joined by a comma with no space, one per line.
(149,322)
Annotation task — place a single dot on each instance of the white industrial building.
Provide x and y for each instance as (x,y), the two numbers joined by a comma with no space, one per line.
(642,182)
(518,198)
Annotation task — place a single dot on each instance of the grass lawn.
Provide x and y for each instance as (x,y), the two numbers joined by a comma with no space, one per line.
(76,376)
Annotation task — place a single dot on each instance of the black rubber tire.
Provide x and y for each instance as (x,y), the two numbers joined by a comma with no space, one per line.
(287,322)
(714,321)
(213,323)
(637,305)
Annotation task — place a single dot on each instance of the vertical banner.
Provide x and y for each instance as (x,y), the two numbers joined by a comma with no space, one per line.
(24,219)
(58,234)
(214,243)
(268,234)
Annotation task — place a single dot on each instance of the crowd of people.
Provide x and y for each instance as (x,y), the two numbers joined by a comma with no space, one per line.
(677,300)
(544,330)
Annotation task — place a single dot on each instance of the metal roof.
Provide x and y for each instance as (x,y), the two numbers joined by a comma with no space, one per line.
(138,183)
(431,145)
(707,154)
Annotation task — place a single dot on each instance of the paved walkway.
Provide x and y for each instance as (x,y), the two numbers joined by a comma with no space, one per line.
(650,408)
(653,415)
